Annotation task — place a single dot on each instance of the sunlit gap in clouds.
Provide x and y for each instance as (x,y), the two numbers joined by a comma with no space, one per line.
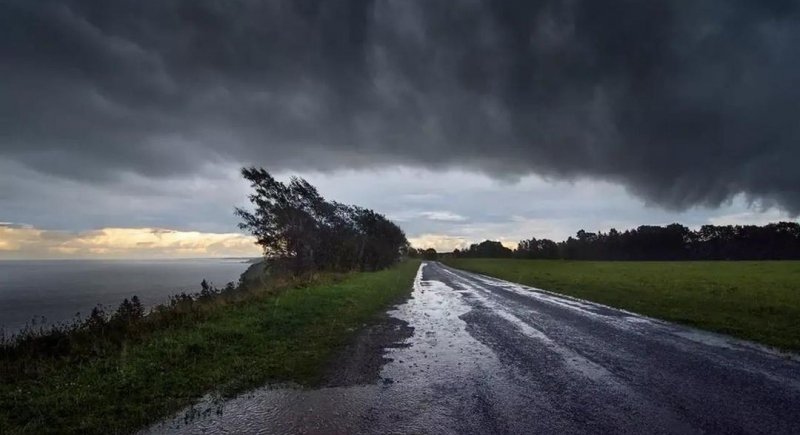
(443,209)
(25,242)
(448,209)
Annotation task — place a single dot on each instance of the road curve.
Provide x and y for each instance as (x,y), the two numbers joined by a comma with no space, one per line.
(490,356)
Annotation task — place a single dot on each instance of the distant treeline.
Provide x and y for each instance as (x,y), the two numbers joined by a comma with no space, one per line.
(299,229)
(777,241)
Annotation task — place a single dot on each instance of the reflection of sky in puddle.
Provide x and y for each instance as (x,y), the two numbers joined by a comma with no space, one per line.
(490,356)
(419,387)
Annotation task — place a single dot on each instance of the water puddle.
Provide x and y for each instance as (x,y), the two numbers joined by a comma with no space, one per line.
(427,386)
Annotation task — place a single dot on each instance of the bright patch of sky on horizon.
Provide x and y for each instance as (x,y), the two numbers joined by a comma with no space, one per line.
(463,121)
(193,217)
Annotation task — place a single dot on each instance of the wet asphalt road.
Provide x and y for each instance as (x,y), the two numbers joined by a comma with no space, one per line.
(489,356)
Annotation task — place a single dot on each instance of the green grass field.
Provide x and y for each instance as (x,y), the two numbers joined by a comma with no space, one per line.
(754,300)
(288,336)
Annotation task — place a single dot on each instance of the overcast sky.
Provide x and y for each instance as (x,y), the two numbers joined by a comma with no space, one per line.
(123,123)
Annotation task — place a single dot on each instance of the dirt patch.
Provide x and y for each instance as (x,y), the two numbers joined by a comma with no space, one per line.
(360,361)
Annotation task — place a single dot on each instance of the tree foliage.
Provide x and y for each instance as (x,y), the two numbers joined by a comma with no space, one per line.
(298,228)
(430,254)
(485,249)
(777,241)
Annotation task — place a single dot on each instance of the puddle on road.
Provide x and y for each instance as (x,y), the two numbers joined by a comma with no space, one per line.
(446,378)
(572,360)
(427,387)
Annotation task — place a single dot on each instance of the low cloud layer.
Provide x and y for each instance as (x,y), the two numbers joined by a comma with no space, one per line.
(457,208)
(20,241)
(479,208)
(684,103)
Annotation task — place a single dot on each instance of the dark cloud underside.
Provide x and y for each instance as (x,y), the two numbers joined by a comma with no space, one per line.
(684,103)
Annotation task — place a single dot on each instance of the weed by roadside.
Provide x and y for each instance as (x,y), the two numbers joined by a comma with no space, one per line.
(163,361)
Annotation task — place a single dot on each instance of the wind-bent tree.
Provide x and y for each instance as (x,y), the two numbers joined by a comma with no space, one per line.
(298,228)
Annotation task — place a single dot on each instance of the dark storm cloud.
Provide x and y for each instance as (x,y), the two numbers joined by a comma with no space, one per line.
(685,103)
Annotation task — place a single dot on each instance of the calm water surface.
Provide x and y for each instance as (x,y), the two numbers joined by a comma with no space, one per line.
(58,289)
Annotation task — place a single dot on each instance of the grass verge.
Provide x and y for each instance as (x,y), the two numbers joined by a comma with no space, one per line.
(267,337)
(754,300)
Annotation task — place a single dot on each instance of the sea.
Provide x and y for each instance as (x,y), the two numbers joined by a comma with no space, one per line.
(56,291)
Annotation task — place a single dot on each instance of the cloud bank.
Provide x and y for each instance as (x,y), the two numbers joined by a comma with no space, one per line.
(684,103)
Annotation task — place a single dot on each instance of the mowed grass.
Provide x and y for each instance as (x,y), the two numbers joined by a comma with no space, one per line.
(287,336)
(754,300)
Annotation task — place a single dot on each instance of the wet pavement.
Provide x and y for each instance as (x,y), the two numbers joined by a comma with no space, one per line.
(489,356)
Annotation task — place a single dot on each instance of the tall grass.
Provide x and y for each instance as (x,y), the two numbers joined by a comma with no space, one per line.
(40,347)
(123,375)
